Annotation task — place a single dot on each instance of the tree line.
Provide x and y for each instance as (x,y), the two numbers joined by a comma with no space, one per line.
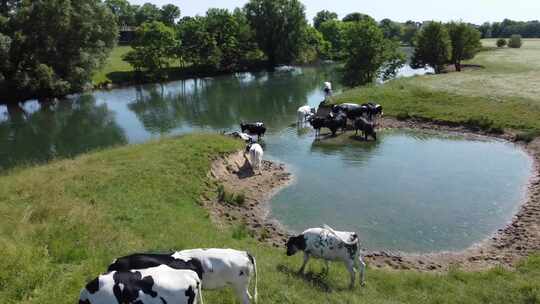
(52,47)
(507,28)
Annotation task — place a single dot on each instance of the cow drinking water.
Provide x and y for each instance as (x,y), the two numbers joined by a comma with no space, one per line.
(329,245)
(257,128)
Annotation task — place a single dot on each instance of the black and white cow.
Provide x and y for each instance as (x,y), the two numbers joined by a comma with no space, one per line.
(257,128)
(336,121)
(317,123)
(366,127)
(330,245)
(155,285)
(220,267)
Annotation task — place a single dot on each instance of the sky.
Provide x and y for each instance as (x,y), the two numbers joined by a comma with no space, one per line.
(474,11)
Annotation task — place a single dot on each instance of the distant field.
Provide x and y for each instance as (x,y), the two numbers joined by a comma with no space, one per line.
(503,94)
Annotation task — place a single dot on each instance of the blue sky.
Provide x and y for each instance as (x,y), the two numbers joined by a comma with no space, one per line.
(476,11)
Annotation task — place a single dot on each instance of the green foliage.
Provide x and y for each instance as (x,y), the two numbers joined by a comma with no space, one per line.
(432,47)
(279,27)
(465,42)
(230,198)
(314,46)
(484,123)
(369,55)
(528,135)
(357,17)
(169,14)
(123,11)
(153,49)
(408,32)
(391,29)
(501,42)
(148,12)
(515,42)
(322,17)
(38,61)
(506,28)
(333,32)
(240,232)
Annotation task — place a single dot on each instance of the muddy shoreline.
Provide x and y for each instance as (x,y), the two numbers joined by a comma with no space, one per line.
(507,246)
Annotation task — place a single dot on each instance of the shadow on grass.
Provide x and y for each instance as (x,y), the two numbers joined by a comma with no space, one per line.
(318,280)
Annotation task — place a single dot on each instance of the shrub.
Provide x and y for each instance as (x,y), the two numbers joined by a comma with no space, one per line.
(240,199)
(501,42)
(515,41)
(240,232)
(484,123)
(403,116)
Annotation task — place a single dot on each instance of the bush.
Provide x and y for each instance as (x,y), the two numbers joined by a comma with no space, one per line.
(527,136)
(240,232)
(515,41)
(403,116)
(229,197)
(501,42)
(484,123)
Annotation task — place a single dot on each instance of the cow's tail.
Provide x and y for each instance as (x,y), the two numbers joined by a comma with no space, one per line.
(332,231)
(254,263)
(199,289)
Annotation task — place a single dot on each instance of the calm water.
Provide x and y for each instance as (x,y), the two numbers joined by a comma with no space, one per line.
(408,191)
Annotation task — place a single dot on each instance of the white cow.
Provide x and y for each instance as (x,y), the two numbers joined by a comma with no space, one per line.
(255,156)
(156,285)
(224,267)
(330,245)
(303,113)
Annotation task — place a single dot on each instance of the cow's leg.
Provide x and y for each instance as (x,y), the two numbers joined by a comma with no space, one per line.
(352,271)
(243,294)
(306,260)
(362,266)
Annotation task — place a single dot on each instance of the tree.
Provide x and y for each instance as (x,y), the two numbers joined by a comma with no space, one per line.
(357,17)
(391,29)
(148,12)
(369,55)
(153,49)
(279,27)
(54,46)
(124,12)
(169,14)
(432,47)
(408,32)
(333,31)
(322,17)
(198,46)
(515,41)
(501,42)
(314,46)
(465,42)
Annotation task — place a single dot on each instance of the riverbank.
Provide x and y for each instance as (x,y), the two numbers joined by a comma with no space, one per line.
(62,224)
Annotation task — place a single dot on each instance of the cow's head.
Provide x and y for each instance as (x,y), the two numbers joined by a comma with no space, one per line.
(295,244)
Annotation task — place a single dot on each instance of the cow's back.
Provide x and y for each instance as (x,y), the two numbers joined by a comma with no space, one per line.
(221,266)
(321,243)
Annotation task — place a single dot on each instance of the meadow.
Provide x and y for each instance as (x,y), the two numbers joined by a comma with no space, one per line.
(64,222)
(503,94)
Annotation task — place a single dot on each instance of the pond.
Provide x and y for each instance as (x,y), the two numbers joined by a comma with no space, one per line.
(409,191)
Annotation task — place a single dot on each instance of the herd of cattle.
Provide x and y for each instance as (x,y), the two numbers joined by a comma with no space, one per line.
(179,277)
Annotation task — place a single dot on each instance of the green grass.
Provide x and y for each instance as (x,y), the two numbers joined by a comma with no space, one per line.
(62,223)
(114,64)
(504,93)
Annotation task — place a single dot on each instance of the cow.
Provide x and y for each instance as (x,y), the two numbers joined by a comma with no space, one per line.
(373,110)
(154,285)
(226,267)
(149,260)
(334,122)
(219,267)
(257,128)
(317,123)
(255,156)
(243,136)
(329,245)
(304,113)
(366,127)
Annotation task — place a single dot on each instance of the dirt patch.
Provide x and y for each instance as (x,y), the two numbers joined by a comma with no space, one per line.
(234,175)
(507,246)
(450,68)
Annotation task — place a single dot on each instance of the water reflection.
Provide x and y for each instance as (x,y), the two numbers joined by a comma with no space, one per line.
(38,132)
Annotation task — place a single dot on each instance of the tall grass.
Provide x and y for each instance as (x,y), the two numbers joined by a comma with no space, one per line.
(63,223)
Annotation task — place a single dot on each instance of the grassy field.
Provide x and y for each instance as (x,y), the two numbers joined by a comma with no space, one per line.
(62,224)
(114,64)
(503,94)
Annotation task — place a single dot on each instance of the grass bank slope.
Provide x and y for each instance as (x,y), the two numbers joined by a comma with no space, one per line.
(503,94)
(62,224)
(114,65)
